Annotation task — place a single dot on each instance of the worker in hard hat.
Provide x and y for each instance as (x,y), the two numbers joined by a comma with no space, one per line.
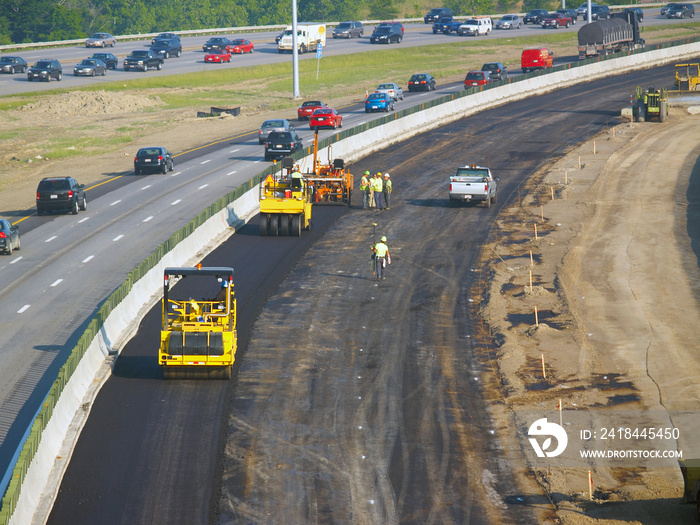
(378,186)
(381,258)
(386,190)
(364,188)
(296,179)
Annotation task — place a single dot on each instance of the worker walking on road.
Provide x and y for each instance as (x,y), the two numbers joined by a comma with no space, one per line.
(378,191)
(387,190)
(364,188)
(381,258)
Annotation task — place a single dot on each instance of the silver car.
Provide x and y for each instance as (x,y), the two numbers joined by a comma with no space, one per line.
(392,89)
(349,30)
(277,124)
(508,22)
(101,40)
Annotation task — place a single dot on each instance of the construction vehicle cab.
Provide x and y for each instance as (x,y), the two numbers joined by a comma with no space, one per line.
(687,77)
(285,202)
(331,182)
(198,336)
(650,103)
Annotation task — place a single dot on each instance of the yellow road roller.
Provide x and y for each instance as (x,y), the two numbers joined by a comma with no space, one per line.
(198,335)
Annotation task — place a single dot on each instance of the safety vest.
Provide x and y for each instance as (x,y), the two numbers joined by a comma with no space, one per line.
(387,185)
(380,249)
(377,184)
(364,183)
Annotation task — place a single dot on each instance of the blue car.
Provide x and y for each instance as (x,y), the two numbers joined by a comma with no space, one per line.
(379,102)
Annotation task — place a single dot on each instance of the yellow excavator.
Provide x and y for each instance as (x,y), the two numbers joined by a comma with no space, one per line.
(198,336)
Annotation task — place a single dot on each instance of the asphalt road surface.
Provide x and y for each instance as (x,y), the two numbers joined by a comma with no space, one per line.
(355,401)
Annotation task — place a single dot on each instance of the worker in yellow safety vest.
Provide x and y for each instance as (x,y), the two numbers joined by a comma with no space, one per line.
(364,188)
(387,190)
(381,258)
(378,186)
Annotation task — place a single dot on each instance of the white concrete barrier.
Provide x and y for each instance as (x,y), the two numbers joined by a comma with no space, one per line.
(61,433)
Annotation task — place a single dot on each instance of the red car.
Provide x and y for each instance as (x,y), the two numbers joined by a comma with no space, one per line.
(556,20)
(218,55)
(477,78)
(307,108)
(326,118)
(240,46)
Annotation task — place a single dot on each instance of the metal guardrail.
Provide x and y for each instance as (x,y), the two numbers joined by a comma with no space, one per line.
(31,444)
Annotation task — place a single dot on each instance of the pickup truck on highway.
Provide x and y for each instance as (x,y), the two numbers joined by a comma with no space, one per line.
(446,25)
(473,183)
(143,59)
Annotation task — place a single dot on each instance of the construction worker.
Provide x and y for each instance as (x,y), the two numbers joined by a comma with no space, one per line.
(364,188)
(372,202)
(296,180)
(387,189)
(378,191)
(381,258)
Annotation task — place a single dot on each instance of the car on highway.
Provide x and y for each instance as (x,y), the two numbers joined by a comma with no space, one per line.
(217,56)
(155,158)
(45,70)
(308,107)
(101,40)
(282,144)
(571,13)
(164,35)
(349,30)
(536,58)
(390,88)
(325,118)
(681,11)
(555,20)
(379,102)
(270,125)
(582,10)
(446,25)
(9,237)
(600,12)
(386,34)
(638,11)
(665,8)
(435,14)
(143,59)
(475,27)
(216,42)
(497,71)
(167,47)
(90,67)
(535,16)
(508,22)
(108,58)
(477,78)
(240,46)
(421,82)
(60,194)
(13,65)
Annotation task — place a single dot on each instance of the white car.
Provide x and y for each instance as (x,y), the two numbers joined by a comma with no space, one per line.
(475,27)
(392,89)
(508,22)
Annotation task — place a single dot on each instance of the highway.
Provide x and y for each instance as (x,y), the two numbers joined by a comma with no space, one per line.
(352,403)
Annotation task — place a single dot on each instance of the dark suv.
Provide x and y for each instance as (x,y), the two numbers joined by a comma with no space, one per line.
(436,14)
(282,144)
(387,33)
(60,194)
(681,11)
(167,47)
(535,16)
(45,70)
(600,12)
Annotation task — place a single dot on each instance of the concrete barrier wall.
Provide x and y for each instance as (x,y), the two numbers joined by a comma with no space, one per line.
(44,475)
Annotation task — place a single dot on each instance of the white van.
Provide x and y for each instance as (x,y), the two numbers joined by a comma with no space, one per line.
(476,27)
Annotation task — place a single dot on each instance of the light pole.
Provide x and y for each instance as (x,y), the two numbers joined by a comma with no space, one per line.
(295,50)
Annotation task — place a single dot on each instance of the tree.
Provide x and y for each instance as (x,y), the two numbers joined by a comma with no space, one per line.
(382,9)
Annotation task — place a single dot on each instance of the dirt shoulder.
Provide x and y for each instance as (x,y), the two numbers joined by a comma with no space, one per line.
(615,284)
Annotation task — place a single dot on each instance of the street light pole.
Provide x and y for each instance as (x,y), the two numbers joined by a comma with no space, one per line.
(295,50)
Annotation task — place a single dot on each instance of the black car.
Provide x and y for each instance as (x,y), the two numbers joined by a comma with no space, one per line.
(681,11)
(636,10)
(386,34)
(600,12)
(155,158)
(108,58)
(60,194)
(217,42)
(535,16)
(167,47)
(421,82)
(9,237)
(165,35)
(349,30)
(282,144)
(90,67)
(571,13)
(497,70)
(665,8)
(45,70)
(12,65)
(143,59)
(436,14)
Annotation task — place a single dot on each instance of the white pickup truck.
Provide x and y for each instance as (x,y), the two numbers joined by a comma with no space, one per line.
(473,183)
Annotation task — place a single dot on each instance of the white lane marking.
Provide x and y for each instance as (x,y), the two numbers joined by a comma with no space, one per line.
(175,174)
(13,261)
(205,161)
(259,160)
(88,259)
(145,187)
(148,218)
(56,282)
(203,186)
(83,220)
(235,150)
(23,309)
(50,238)
(176,202)
(117,238)
(116,202)
(231,172)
